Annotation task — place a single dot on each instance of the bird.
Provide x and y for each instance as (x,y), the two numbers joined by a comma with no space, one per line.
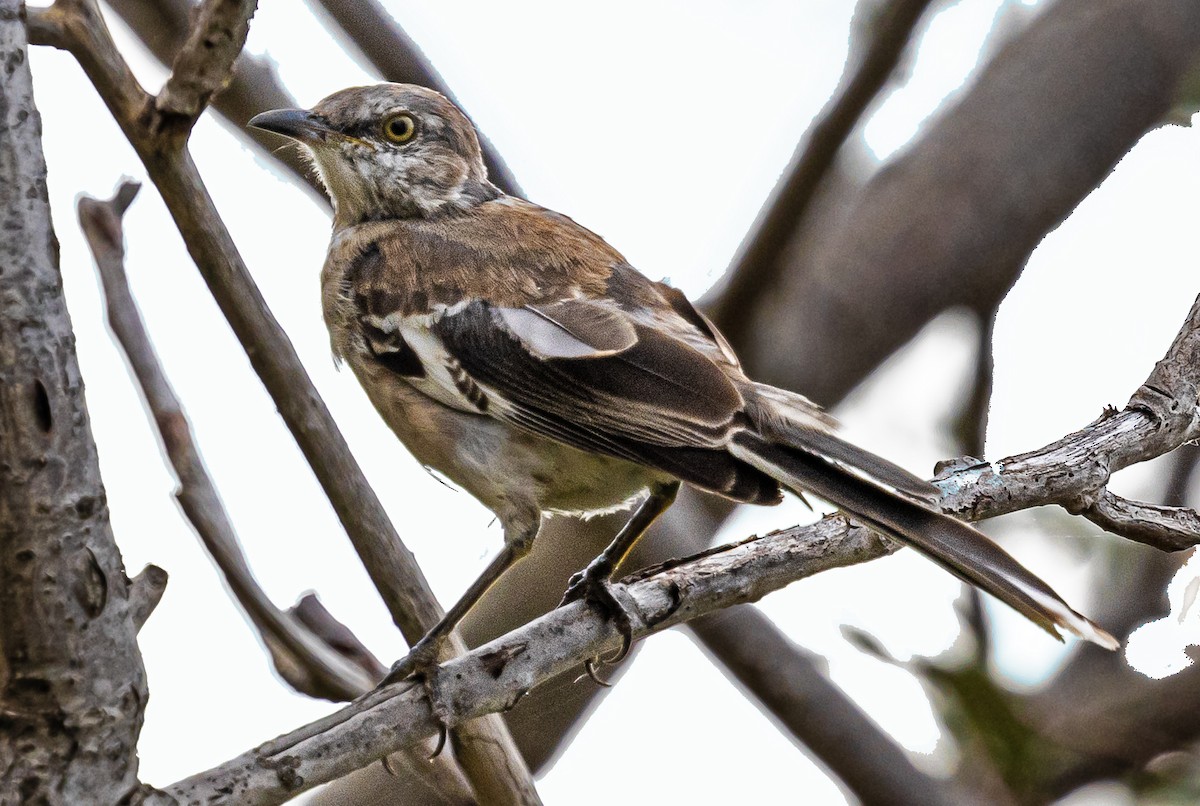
(522,357)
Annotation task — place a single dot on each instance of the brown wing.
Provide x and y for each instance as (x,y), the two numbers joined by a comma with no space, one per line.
(597,379)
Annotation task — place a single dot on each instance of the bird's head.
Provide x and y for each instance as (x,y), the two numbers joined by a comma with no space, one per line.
(388,151)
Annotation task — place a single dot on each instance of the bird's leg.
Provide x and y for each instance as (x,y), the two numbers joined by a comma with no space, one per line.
(422,659)
(594,583)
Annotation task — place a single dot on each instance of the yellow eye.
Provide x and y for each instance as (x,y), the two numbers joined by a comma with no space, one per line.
(399,128)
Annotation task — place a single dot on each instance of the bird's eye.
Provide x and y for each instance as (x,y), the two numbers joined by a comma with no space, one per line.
(399,128)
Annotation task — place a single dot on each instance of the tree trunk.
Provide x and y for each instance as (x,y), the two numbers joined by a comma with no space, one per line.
(72,686)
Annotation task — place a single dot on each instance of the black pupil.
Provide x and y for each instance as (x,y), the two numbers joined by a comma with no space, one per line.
(400,127)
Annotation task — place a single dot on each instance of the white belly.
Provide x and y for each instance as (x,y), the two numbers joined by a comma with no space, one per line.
(509,470)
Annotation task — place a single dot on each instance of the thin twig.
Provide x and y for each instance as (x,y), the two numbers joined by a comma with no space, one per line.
(312,614)
(307,663)
(373,32)
(1165,528)
(757,267)
(485,748)
(970,429)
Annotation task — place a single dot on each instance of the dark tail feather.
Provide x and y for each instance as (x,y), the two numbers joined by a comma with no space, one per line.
(830,469)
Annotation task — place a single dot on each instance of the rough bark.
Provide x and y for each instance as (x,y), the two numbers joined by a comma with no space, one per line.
(72,686)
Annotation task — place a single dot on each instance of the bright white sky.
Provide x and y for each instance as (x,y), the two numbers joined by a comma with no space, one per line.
(663,127)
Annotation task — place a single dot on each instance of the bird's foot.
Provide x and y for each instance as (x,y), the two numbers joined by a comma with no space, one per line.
(594,585)
(421,665)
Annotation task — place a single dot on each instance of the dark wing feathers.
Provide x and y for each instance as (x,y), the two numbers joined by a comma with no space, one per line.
(657,402)
(680,397)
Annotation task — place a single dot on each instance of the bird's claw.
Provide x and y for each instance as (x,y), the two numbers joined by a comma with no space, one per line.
(593,585)
(421,665)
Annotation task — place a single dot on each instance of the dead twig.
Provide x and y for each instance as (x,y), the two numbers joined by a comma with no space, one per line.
(145,592)
(202,66)
(307,663)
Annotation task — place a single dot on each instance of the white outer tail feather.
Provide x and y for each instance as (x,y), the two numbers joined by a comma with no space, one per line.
(1030,596)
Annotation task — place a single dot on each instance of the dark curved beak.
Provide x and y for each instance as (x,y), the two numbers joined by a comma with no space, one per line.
(299,124)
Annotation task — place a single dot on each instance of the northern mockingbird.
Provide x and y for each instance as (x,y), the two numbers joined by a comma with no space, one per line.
(521,356)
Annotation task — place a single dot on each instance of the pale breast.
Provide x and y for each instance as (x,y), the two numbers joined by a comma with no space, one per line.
(507,469)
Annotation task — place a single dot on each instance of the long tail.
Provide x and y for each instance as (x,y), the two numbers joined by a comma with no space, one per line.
(898,504)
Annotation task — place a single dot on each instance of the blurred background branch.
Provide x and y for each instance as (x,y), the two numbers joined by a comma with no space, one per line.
(369,30)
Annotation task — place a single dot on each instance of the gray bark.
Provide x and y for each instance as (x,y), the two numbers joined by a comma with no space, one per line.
(72,686)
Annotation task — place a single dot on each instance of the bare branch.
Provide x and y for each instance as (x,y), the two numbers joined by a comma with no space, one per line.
(302,659)
(72,685)
(373,32)
(757,264)
(1161,415)
(495,676)
(949,221)
(312,614)
(1165,528)
(145,591)
(254,86)
(202,65)
(485,748)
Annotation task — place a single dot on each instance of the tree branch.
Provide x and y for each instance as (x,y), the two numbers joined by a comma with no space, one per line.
(494,677)
(757,265)
(163,26)
(202,66)
(308,664)
(949,221)
(952,219)
(1162,527)
(792,685)
(485,749)
(374,33)
(145,591)
(1160,416)
(72,685)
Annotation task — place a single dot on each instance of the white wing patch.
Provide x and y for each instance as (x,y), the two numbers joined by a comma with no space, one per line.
(546,338)
(444,380)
